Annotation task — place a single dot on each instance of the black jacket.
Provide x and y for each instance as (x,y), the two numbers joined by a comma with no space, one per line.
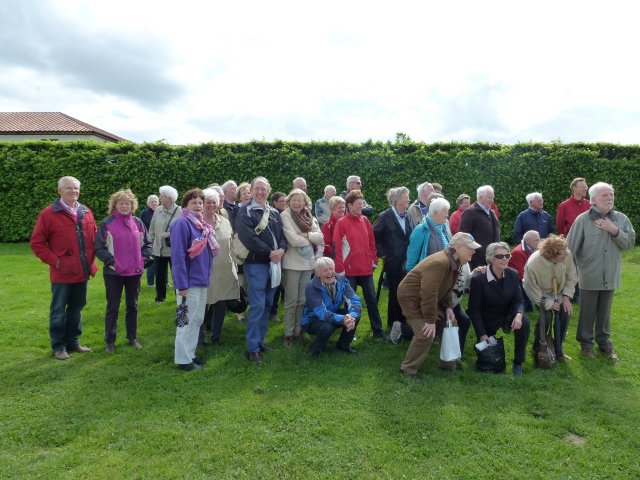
(493,304)
(259,246)
(391,241)
(484,228)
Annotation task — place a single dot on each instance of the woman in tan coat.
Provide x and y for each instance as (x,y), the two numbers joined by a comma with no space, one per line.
(305,244)
(224,273)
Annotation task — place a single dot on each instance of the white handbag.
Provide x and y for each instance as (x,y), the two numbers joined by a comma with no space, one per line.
(450,345)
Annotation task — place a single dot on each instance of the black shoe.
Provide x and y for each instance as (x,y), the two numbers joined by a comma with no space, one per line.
(382,335)
(189,367)
(411,376)
(254,357)
(197,361)
(265,348)
(216,342)
(517,369)
(348,351)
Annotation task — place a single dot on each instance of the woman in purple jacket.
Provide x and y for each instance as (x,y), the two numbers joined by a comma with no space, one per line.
(193,246)
(124,247)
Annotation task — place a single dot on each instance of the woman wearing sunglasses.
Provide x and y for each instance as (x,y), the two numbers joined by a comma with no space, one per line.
(495,302)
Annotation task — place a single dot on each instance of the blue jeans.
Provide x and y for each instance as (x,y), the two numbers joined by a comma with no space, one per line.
(151,274)
(65,320)
(369,294)
(260,296)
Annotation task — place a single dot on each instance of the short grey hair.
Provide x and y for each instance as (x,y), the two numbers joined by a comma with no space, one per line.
(329,187)
(394,194)
(323,262)
(152,197)
(533,196)
(298,180)
(211,193)
(593,190)
(261,179)
(228,184)
(491,250)
(169,191)
(530,233)
(438,205)
(483,190)
(352,178)
(423,186)
(66,179)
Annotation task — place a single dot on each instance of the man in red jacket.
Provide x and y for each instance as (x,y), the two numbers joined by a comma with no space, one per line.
(573,206)
(356,257)
(519,257)
(63,238)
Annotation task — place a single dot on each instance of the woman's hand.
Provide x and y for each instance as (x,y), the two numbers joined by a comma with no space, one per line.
(183,293)
(517,322)
(566,305)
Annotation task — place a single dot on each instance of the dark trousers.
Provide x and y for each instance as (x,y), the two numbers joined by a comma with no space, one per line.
(276,299)
(162,274)
(65,319)
(113,285)
(394,312)
(521,336)
(464,322)
(322,331)
(151,274)
(556,324)
(213,320)
(528,306)
(369,294)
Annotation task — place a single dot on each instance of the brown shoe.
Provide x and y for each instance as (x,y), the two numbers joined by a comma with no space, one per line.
(610,353)
(135,344)
(301,337)
(255,357)
(80,349)
(61,354)
(587,352)
(110,348)
(288,341)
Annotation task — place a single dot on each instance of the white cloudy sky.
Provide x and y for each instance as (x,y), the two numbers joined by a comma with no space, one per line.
(197,71)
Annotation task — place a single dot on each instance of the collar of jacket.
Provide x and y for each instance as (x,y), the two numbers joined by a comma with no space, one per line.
(58,207)
(595,214)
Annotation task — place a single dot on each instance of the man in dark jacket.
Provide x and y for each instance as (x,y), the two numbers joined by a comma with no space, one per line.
(260,230)
(63,238)
(392,230)
(481,222)
(354,183)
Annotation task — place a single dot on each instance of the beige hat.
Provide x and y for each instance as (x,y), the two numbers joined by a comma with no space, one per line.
(465,239)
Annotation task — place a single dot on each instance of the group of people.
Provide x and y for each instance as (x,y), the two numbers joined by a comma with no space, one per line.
(228,241)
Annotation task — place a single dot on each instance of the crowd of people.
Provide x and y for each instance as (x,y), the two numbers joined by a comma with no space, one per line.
(228,244)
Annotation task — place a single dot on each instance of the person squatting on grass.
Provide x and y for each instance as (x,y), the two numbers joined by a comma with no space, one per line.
(193,246)
(330,305)
(259,228)
(63,238)
(596,240)
(124,247)
(550,277)
(425,297)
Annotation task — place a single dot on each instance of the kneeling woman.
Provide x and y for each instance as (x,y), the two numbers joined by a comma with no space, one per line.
(330,305)
(193,246)
(123,245)
(550,276)
(495,302)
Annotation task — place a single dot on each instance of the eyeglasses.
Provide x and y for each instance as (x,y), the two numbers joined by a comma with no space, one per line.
(500,256)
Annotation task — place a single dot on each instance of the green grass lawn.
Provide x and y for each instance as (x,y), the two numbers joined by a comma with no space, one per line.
(134,415)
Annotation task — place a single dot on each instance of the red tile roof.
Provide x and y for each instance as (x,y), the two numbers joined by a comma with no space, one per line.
(49,123)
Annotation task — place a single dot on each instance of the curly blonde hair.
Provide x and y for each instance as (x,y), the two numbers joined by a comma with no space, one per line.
(126,195)
(553,246)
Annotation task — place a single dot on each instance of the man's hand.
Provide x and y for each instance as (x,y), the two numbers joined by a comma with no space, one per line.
(429,330)
(517,322)
(276,255)
(451,317)
(607,225)
(349,322)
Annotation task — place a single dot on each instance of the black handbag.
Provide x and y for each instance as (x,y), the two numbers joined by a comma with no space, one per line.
(492,358)
(238,305)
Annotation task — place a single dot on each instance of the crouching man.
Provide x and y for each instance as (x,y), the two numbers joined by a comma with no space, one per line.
(330,305)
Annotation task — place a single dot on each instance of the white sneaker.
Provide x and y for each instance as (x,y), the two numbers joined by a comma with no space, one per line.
(396,332)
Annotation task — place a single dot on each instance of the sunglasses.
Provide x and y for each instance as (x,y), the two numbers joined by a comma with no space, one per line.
(500,256)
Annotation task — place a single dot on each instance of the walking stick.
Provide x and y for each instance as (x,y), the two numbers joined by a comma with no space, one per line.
(557,327)
(380,280)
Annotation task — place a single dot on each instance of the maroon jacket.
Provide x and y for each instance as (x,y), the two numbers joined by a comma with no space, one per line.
(58,237)
(519,259)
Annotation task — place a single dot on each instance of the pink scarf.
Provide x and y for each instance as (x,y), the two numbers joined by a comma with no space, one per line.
(208,237)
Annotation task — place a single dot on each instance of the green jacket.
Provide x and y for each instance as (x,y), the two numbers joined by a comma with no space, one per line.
(598,254)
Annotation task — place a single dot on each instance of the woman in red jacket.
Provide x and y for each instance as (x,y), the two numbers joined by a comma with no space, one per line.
(336,207)
(355,256)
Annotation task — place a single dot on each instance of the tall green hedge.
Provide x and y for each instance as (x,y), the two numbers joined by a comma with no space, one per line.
(29,171)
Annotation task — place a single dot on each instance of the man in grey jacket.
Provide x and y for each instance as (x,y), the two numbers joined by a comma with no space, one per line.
(597,239)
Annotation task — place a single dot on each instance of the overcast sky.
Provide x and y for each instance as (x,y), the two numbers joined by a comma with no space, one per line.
(199,71)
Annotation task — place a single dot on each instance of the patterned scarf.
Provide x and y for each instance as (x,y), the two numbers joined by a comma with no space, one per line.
(303,219)
(441,229)
(208,237)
